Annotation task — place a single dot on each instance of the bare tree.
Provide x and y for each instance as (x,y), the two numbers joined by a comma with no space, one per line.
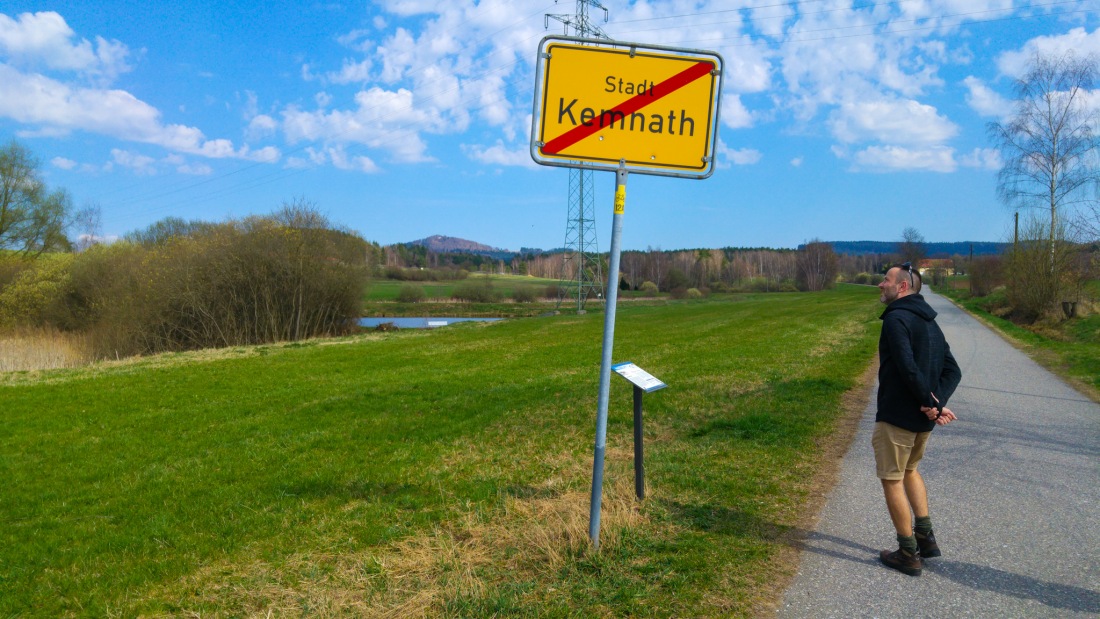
(912,248)
(32,219)
(656,264)
(88,225)
(817,266)
(1088,222)
(1049,145)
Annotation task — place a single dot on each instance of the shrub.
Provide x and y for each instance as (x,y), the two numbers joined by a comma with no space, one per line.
(553,291)
(676,279)
(410,293)
(986,274)
(760,284)
(241,282)
(649,289)
(525,294)
(37,294)
(693,293)
(476,292)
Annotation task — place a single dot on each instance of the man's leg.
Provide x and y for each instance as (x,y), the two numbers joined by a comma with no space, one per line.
(916,493)
(892,448)
(898,504)
(922,526)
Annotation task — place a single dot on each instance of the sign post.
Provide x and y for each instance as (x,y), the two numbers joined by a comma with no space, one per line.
(623,107)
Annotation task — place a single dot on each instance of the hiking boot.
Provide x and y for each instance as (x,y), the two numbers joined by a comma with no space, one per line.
(927,545)
(901,561)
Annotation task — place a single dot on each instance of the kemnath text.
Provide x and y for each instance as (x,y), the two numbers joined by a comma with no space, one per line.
(668,123)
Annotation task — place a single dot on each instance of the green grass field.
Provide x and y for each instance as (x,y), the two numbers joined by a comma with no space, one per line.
(441,473)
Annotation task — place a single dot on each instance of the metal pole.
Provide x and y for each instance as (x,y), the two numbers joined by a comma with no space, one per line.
(605,363)
(639,465)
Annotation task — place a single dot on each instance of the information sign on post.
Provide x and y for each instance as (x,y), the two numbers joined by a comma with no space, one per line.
(645,108)
(643,382)
(638,377)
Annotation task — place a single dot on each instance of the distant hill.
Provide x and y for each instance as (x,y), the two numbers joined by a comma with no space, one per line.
(448,244)
(452,245)
(962,248)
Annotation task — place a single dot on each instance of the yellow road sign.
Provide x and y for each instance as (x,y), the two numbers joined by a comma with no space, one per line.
(653,109)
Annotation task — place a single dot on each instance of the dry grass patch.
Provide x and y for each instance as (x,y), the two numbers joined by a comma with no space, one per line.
(88,367)
(45,349)
(527,539)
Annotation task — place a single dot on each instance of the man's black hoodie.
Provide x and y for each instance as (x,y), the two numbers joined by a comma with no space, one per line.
(914,363)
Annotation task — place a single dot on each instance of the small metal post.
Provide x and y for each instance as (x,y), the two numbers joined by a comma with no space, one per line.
(605,363)
(639,466)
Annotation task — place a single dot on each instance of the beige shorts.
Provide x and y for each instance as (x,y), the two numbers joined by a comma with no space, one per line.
(896,450)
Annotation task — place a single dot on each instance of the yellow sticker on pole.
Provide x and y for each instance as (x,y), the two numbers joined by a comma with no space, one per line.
(620,199)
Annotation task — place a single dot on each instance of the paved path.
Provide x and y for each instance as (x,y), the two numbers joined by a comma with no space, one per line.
(1014,490)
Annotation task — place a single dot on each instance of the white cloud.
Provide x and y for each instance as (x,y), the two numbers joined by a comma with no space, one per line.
(351,72)
(891,120)
(45,40)
(797,162)
(196,169)
(744,156)
(984,100)
(983,159)
(491,103)
(747,69)
(727,156)
(63,163)
(499,154)
(341,161)
(359,40)
(1080,41)
(733,113)
(53,105)
(894,158)
(267,154)
(140,164)
(260,127)
(382,119)
(336,156)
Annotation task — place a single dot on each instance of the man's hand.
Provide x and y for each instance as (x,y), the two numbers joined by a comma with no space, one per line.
(945,417)
(942,416)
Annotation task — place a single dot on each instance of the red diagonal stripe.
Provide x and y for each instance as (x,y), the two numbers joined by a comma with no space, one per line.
(635,103)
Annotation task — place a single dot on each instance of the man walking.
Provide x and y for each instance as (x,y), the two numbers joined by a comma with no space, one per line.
(917,374)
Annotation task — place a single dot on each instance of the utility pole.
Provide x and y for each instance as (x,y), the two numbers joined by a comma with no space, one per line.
(582,269)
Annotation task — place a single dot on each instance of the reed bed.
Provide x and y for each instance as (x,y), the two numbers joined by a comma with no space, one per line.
(41,350)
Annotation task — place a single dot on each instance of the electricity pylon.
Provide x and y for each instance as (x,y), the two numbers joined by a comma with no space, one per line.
(582,270)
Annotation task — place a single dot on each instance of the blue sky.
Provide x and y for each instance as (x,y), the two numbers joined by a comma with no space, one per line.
(840,120)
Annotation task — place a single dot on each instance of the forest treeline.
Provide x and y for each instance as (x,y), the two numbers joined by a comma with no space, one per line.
(813,266)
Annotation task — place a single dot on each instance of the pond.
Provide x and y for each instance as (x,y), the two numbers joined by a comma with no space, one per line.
(421,322)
